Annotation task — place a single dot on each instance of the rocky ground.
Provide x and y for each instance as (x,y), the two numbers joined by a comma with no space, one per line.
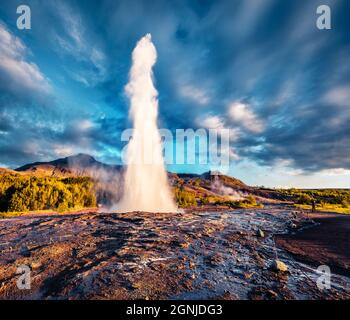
(191,255)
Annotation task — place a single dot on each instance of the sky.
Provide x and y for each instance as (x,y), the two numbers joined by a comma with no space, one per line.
(260,68)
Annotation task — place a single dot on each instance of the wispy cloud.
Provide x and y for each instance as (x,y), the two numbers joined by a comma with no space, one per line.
(17,73)
(243,115)
(75,42)
(339,96)
(211,122)
(260,68)
(194,94)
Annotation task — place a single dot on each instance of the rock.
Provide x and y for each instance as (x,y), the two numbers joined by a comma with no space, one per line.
(248,275)
(293,225)
(103,255)
(215,259)
(260,233)
(25,252)
(36,265)
(184,245)
(272,293)
(279,266)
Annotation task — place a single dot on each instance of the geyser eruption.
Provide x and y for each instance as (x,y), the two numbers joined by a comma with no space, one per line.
(146,186)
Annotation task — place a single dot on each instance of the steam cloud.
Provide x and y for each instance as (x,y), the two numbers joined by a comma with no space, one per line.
(218,187)
(146,186)
(106,179)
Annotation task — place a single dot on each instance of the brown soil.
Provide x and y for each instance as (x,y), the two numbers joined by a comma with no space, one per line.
(326,243)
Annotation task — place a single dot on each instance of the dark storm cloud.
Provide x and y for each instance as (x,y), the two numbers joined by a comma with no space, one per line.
(283,68)
(267,55)
(317,138)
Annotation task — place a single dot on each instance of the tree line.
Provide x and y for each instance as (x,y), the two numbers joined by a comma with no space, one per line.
(27,193)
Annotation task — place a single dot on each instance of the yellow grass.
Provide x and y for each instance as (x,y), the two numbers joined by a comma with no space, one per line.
(326,208)
(4,215)
(17,214)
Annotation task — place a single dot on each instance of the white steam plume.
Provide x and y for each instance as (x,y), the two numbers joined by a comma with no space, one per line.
(218,187)
(146,186)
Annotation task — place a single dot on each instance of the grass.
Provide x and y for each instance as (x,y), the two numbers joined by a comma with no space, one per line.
(247,203)
(6,215)
(326,208)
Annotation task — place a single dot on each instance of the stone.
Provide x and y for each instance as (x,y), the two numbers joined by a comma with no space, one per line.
(279,266)
(293,225)
(272,293)
(25,252)
(36,265)
(260,233)
(215,259)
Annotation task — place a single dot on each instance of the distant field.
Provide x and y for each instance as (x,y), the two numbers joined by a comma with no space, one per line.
(328,200)
(326,208)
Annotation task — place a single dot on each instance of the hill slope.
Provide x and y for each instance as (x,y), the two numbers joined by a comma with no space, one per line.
(81,165)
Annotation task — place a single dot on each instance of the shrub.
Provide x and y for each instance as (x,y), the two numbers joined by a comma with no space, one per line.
(22,193)
(185,198)
(304,199)
(249,202)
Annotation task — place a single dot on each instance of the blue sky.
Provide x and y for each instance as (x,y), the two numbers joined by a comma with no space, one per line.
(260,68)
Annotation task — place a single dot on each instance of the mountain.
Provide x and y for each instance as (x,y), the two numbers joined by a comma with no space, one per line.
(6,171)
(80,164)
(108,179)
(208,183)
(84,164)
(212,176)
